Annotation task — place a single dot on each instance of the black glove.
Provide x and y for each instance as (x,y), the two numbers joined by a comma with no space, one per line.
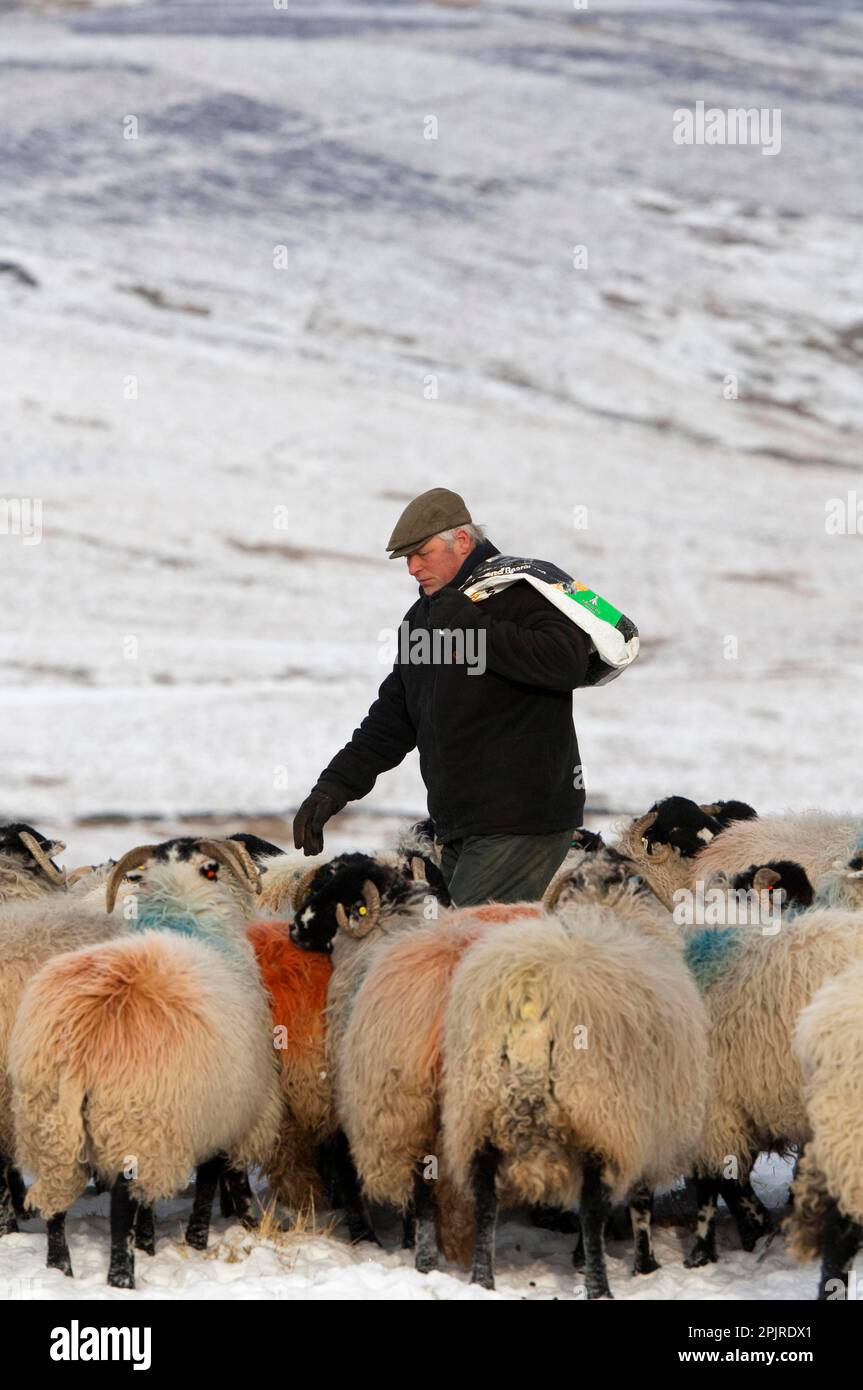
(451,608)
(321,803)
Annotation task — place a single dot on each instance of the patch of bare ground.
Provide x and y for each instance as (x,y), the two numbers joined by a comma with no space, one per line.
(159,300)
(283,551)
(802,460)
(174,562)
(84,422)
(791,580)
(80,675)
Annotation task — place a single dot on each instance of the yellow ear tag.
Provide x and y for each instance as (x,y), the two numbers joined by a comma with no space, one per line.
(362,912)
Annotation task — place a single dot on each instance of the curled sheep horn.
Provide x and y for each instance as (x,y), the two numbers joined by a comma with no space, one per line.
(235,857)
(418,869)
(81,872)
(645,822)
(765,879)
(370,913)
(42,855)
(300,888)
(551,897)
(132,860)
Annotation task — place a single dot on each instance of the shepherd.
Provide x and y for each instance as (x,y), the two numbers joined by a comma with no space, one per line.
(496,739)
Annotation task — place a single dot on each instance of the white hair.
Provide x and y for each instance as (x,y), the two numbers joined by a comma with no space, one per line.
(476,533)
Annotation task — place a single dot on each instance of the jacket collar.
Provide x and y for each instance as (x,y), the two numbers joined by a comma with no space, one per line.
(483,550)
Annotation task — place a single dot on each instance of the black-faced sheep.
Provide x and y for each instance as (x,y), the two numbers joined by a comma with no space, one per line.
(27,868)
(393,955)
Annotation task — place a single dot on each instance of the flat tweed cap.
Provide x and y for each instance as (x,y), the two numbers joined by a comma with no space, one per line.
(431,512)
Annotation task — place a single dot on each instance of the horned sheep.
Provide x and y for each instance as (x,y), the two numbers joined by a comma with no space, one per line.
(394,954)
(166,1035)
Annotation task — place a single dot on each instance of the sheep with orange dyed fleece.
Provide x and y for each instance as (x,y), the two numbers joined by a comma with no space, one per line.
(149,1055)
(296,983)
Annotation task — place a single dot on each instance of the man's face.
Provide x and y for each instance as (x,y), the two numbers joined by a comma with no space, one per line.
(435,564)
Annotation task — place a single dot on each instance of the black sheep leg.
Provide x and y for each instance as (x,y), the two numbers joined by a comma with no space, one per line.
(240,1193)
(704,1250)
(226,1201)
(145,1229)
(578,1248)
(641,1216)
(206,1181)
(8,1224)
(58,1250)
(840,1243)
(485,1166)
(409,1229)
(595,1210)
(427,1254)
(751,1217)
(347,1185)
(121,1270)
(18,1190)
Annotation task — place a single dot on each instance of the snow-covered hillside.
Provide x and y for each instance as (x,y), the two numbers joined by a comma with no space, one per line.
(249,309)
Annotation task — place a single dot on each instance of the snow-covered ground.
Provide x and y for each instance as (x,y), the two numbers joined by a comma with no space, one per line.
(531,1263)
(249,310)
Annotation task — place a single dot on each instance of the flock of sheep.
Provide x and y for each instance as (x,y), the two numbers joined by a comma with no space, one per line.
(213,1005)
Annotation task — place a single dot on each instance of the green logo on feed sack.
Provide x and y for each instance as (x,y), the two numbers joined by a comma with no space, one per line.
(594,603)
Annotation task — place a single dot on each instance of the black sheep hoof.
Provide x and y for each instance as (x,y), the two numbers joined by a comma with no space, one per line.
(485,1281)
(146,1245)
(597,1291)
(61,1262)
(750,1235)
(699,1258)
(8,1226)
(425,1264)
(197,1239)
(648,1266)
(121,1279)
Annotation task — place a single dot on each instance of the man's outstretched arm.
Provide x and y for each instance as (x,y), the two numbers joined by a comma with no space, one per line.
(382,740)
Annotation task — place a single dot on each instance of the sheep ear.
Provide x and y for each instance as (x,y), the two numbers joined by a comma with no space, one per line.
(418,869)
(765,879)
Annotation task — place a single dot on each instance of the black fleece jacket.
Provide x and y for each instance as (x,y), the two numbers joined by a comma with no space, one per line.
(498,752)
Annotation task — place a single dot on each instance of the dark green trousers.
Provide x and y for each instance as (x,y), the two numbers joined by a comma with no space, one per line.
(502,868)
